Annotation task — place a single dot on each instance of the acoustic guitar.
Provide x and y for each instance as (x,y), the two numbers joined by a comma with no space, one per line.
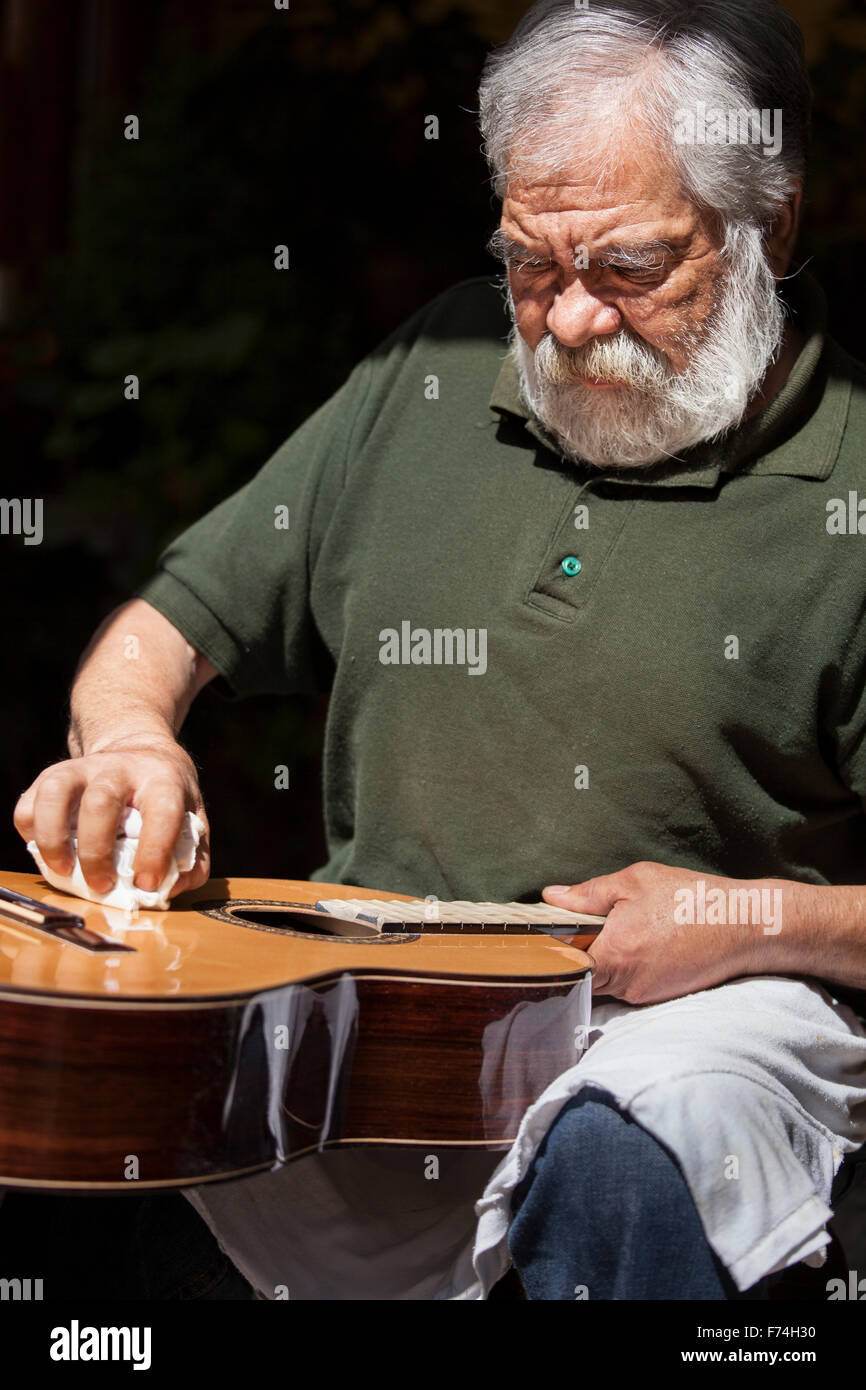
(245,1027)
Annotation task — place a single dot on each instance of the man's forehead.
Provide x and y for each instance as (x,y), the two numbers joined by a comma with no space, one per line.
(639,201)
(561,216)
(619,170)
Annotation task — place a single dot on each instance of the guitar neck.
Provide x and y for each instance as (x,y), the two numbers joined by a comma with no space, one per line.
(431,916)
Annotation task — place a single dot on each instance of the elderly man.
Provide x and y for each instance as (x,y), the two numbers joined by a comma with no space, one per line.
(645,503)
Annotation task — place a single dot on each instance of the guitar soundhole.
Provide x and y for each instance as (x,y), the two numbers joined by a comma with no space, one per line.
(279,918)
(282,921)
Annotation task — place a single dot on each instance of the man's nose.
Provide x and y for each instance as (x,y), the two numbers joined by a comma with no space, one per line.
(576,315)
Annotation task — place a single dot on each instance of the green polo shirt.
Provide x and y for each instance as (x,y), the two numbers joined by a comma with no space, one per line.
(688,687)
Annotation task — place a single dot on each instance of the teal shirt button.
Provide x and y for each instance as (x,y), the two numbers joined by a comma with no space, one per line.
(571,566)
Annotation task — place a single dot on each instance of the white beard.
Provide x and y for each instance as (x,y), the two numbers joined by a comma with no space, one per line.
(659,412)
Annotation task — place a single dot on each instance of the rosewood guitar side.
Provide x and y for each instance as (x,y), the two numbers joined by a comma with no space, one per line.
(211,1049)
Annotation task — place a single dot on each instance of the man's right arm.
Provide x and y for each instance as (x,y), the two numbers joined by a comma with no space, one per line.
(135,683)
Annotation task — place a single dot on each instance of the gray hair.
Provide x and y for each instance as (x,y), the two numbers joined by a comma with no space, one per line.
(574,79)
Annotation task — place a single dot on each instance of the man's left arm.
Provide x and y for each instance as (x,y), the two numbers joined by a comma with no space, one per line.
(673,931)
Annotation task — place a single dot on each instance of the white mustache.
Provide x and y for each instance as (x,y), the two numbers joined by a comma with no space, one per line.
(620,358)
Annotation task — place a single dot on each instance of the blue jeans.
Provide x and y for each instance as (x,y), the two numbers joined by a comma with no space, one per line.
(604,1213)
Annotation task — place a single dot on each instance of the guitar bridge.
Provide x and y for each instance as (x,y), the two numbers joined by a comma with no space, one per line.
(55,921)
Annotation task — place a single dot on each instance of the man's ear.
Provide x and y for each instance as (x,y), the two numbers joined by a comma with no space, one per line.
(782,237)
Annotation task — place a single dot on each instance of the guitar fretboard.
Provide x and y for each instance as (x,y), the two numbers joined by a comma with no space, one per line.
(457,916)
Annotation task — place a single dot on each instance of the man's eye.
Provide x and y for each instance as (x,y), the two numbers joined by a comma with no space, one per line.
(535,266)
(639,274)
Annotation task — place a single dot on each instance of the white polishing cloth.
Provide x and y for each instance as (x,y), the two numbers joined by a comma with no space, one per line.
(124,894)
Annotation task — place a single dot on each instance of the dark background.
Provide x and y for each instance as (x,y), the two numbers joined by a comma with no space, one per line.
(257,127)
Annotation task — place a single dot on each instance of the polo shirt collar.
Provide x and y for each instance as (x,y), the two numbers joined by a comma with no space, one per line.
(798,432)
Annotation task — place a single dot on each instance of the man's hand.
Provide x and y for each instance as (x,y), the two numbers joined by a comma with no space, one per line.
(159,779)
(649,950)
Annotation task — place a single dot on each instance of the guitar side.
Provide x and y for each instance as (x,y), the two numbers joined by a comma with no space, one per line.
(358,1044)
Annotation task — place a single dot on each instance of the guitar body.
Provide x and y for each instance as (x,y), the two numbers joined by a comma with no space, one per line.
(242,1029)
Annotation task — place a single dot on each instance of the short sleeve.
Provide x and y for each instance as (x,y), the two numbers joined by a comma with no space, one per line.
(236,583)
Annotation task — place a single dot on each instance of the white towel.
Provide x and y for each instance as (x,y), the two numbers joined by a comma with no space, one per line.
(768,1071)
(757,1087)
(124,894)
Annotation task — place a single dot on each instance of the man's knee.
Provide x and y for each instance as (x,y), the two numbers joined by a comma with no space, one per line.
(605,1206)
(593,1150)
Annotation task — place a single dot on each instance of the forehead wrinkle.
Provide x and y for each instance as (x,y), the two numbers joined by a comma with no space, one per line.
(639,214)
(608,242)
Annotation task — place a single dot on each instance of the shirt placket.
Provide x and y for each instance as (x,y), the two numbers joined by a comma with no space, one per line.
(587,529)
